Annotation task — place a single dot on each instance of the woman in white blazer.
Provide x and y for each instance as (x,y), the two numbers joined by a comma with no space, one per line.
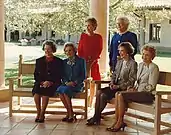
(143,90)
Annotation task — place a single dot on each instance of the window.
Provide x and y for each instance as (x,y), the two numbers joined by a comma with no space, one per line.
(52,33)
(39,33)
(155,30)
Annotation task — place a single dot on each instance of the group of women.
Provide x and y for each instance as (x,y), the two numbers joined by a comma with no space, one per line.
(128,83)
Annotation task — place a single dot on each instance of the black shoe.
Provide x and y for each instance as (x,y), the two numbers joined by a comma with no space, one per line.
(37,120)
(42,120)
(118,129)
(88,120)
(111,127)
(72,119)
(65,119)
(93,122)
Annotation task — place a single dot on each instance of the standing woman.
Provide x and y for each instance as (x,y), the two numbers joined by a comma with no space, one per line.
(47,75)
(143,90)
(123,35)
(72,80)
(90,47)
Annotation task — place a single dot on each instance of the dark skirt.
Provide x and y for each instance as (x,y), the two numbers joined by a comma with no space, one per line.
(50,91)
(139,97)
(109,93)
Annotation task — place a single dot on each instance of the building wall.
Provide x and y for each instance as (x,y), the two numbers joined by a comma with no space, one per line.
(165,37)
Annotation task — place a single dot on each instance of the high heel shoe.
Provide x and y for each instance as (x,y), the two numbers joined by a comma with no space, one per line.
(65,119)
(112,129)
(41,120)
(37,120)
(101,117)
(92,121)
(72,119)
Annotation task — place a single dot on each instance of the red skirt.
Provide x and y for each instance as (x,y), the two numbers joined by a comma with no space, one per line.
(95,72)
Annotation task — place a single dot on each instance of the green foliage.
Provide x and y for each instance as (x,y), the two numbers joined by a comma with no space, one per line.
(12,73)
(67,16)
(120,8)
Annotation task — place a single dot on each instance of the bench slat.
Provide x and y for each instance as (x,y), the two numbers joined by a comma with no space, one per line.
(142,107)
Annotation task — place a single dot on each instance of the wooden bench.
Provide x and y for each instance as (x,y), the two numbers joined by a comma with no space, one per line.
(143,111)
(23,90)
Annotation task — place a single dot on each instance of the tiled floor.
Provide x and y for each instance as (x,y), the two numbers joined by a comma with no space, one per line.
(23,124)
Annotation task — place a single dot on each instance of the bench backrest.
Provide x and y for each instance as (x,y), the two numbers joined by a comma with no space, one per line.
(25,70)
(28,69)
(164,78)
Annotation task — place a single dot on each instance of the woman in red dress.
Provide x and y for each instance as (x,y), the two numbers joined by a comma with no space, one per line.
(90,47)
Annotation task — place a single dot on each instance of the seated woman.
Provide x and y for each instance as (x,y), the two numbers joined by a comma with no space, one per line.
(123,76)
(74,75)
(142,92)
(47,75)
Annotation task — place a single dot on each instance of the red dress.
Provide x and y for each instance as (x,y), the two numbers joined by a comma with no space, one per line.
(91,47)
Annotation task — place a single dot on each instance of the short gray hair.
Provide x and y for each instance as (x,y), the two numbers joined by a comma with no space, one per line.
(123,18)
(71,44)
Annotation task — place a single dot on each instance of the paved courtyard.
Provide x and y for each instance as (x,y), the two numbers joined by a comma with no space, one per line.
(23,124)
(12,52)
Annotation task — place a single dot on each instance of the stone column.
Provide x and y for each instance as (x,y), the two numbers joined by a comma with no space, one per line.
(20,34)
(8,34)
(2,57)
(142,30)
(100,10)
(3,91)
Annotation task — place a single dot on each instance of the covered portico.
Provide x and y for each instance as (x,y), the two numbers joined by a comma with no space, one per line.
(98,9)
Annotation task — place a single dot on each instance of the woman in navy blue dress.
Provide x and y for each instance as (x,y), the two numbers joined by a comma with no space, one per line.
(47,75)
(74,75)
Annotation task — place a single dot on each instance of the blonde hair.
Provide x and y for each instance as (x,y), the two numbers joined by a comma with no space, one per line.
(150,49)
(93,21)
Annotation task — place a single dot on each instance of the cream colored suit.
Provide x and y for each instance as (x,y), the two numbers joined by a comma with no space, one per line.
(128,75)
(147,77)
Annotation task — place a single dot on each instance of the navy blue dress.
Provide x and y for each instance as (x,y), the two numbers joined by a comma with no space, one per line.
(47,71)
(75,73)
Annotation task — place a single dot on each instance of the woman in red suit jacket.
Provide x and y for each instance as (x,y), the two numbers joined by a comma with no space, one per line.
(90,48)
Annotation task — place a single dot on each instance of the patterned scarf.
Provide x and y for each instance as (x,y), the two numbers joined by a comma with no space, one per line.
(71,61)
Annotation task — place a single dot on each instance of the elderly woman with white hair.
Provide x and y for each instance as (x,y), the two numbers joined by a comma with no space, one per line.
(72,80)
(123,35)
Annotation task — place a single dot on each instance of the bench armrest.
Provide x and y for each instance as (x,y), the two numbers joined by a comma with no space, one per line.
(100,82)
(14,78)
(11,82)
